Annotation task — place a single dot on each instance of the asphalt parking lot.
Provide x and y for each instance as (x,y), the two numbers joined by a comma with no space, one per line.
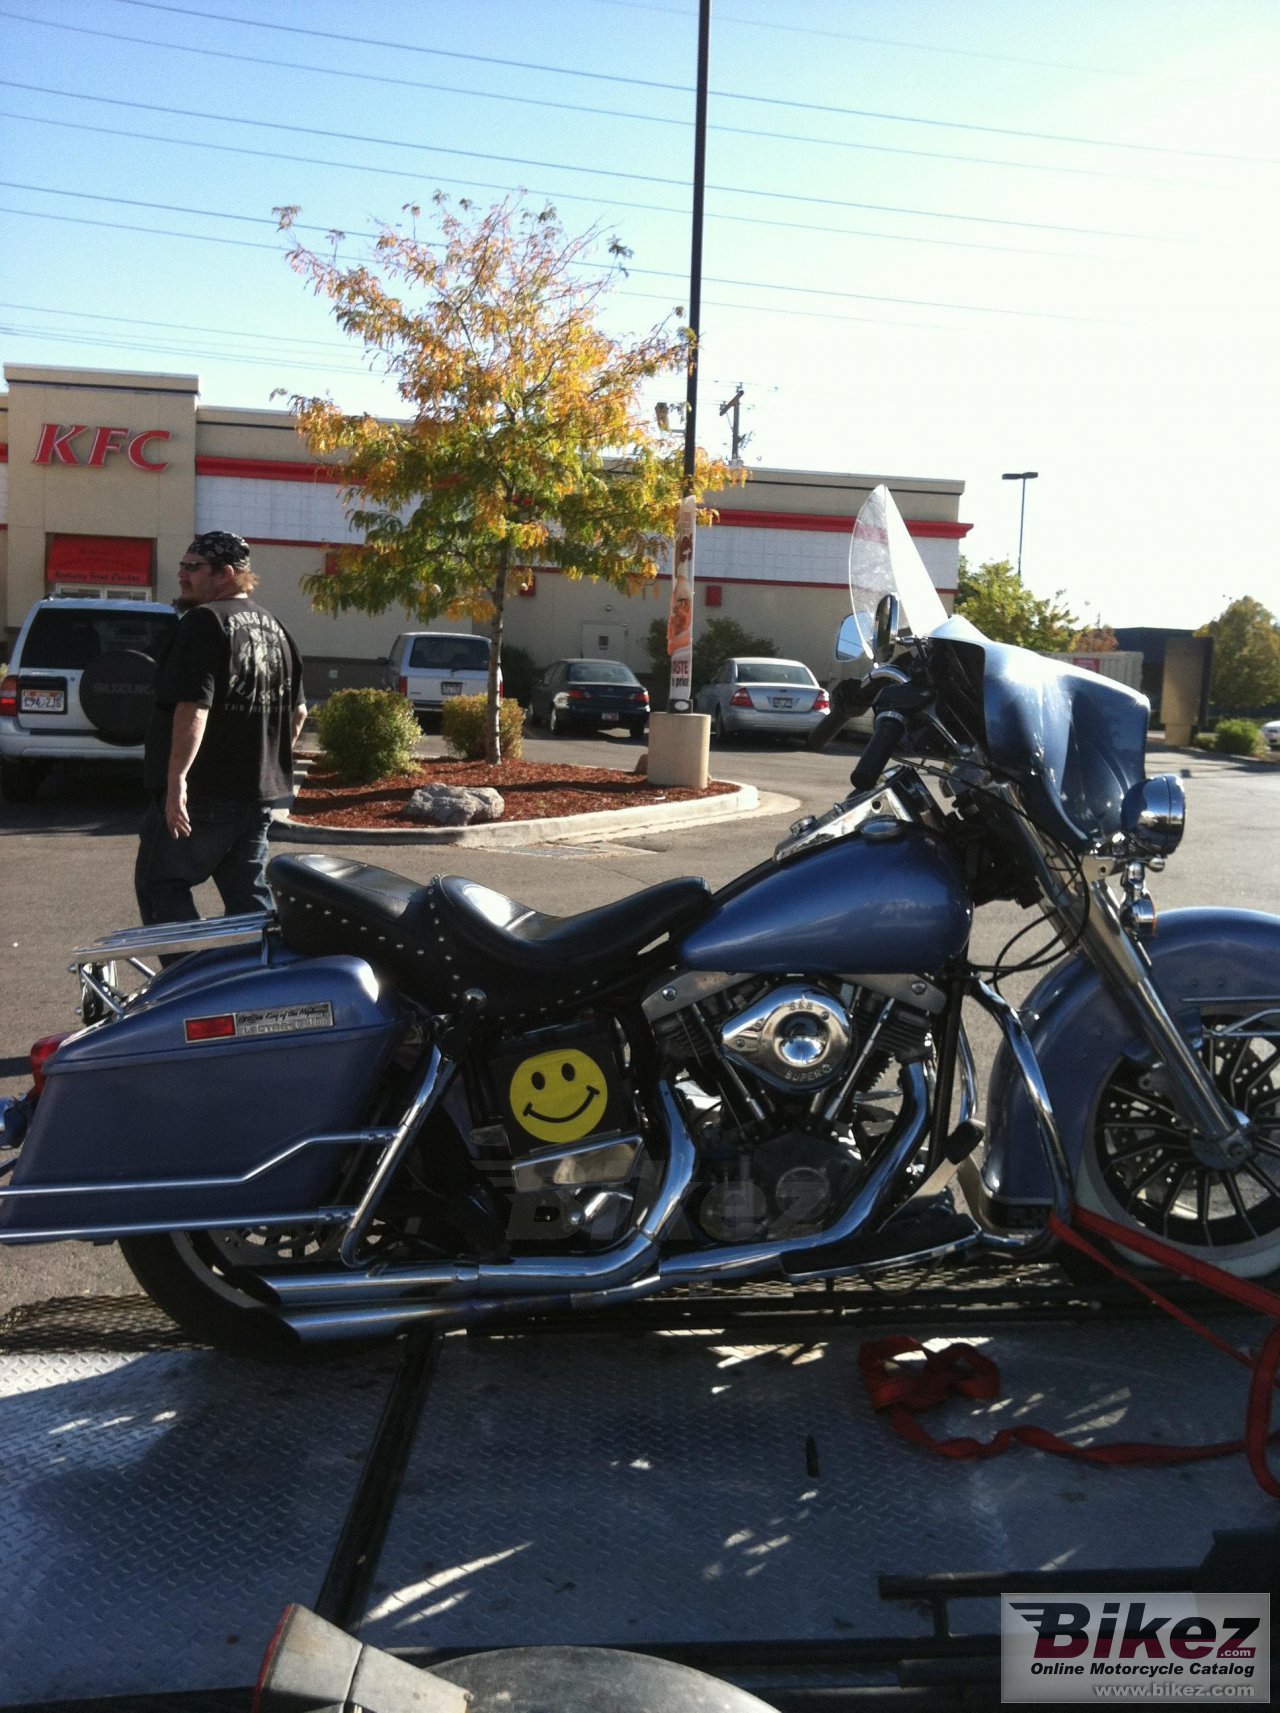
(67,865)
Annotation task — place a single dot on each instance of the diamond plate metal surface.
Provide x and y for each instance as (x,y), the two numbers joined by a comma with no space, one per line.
(580,1488)
(159,1510)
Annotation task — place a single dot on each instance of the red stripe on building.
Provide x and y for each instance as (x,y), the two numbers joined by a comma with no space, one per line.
(4,452)
(268,470)
(925,527)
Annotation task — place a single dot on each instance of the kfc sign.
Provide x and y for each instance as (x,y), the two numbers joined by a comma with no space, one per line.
(57,446)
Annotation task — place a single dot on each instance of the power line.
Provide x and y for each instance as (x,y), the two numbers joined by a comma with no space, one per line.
(318,345)
(649,273)
(563,195)
(563,166)
(684,89)
(597,112)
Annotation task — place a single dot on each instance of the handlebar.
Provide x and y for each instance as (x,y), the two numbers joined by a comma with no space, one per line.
(849,698)
(885,736)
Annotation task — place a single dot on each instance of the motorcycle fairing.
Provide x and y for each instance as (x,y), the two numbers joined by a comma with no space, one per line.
(1078,1031)
(133,1102)
(898,907)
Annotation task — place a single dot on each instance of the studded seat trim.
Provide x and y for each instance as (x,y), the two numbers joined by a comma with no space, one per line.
(438,940)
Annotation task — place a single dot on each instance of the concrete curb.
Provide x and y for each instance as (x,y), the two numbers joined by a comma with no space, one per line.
(552,829)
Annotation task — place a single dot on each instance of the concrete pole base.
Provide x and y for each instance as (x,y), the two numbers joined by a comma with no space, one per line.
(679,747)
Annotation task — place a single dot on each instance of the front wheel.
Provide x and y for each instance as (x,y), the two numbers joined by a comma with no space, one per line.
(719,731)
(191,1275)
(1138,1166)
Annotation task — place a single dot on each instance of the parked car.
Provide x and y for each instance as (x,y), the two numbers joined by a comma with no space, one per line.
(430,666)
(589,695)
(762,698)
(1271,732)
(79,687)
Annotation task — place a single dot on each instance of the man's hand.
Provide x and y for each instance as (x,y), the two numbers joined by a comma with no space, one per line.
(176,817)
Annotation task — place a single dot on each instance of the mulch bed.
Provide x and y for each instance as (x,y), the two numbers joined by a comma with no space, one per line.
(530,790)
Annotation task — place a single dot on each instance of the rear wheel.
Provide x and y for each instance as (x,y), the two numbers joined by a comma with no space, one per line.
(719,731)
(191,1275)
(20,780)
(636,729)
(1139,1167)
(555,722)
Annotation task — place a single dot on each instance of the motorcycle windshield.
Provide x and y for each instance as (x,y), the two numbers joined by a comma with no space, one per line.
(883,561)
(1073,741)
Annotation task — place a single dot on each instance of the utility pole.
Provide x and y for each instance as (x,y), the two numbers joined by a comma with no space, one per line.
(739,440)
(695,257)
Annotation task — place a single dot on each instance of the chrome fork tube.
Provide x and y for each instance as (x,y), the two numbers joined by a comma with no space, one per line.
(1219,1131)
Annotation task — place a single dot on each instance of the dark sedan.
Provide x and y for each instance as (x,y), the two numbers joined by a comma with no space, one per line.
(589,695)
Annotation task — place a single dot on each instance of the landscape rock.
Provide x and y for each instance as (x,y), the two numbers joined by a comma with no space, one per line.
(455,805)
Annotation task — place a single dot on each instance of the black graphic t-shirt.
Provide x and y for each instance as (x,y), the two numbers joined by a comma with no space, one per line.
(236,659)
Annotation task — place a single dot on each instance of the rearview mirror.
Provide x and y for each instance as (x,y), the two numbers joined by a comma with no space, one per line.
(852,641)
(888,623)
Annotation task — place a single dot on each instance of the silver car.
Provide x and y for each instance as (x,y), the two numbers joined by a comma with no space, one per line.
(1271,732)
(762,698)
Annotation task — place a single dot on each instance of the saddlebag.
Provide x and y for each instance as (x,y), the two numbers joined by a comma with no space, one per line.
(220,1097)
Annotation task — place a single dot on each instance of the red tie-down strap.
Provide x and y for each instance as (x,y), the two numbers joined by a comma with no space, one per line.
(958,1370)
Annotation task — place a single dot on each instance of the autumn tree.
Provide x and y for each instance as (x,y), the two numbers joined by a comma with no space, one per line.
(999,603)
(526,444)
(1094,639)
(1246,655)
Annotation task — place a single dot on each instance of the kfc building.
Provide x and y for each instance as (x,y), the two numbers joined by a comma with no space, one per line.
(105,477)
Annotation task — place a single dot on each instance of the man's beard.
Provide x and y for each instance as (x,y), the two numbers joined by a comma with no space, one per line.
(183,603)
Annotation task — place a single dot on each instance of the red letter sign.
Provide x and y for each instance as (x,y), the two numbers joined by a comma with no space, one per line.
(105,440)
(138,450)
(55,444)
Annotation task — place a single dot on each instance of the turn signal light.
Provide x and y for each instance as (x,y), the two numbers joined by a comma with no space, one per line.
(41,1052)
(740,699)
(9,696)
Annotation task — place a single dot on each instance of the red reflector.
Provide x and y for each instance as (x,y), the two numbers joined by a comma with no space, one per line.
(41,1052)
(9,696)
(210,1028)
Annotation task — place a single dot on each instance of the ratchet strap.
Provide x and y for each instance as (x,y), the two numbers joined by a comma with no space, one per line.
(958,1370)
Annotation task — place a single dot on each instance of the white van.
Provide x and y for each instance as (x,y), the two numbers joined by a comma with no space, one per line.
(430,666)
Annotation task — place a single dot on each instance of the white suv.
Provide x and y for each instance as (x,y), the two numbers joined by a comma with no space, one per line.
(78,687)
(430,666)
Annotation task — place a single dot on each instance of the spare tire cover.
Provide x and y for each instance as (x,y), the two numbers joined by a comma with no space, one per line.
(116,694)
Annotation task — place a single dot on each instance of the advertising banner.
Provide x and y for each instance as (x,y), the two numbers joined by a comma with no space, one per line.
(680,618)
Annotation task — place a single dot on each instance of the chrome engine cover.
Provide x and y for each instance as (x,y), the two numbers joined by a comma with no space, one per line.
(793,1037)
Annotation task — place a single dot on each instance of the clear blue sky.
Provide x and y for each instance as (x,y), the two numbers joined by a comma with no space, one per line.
(944,237)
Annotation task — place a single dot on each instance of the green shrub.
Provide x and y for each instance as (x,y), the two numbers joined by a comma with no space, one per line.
(1237,737)
(462,724)
(713,641)
(519,674)
(367,734)
(1204,740)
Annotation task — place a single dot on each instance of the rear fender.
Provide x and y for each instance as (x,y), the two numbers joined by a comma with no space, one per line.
(1078,1033)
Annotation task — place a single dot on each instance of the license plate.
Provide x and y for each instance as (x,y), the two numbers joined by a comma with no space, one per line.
(783,701)
(452,688)
(43,701)
(608,719)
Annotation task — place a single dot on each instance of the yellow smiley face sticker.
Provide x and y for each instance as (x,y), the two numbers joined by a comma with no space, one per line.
(558,1096)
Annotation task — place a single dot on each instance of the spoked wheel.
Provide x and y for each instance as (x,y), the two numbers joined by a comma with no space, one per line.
(192,1276)
(1139,1167)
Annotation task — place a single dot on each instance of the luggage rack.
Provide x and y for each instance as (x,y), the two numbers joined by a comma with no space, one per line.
(95,964)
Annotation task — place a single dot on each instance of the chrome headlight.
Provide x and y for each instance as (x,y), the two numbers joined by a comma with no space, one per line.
(1154,815)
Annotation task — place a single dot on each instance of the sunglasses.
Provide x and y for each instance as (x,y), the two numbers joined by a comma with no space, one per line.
(194,565)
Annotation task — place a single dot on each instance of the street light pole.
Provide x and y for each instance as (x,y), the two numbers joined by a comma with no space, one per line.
(1023,476)
(695,258)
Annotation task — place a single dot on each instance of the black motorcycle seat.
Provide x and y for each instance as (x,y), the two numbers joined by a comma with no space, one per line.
(438,940)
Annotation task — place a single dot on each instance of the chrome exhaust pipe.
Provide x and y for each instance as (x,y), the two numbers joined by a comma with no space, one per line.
(523,1276)
(581,1287)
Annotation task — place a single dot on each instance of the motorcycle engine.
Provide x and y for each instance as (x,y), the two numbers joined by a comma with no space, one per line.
(782,1081)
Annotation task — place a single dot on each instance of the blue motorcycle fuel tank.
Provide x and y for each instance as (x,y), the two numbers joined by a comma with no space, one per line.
(898,906)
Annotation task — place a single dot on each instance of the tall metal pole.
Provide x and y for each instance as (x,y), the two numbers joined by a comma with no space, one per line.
(1023,476)
(695,258)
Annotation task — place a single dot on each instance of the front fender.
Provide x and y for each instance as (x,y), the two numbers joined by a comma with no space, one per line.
(1078,1032)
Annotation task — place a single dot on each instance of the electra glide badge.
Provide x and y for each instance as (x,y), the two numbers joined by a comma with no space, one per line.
(279,1020)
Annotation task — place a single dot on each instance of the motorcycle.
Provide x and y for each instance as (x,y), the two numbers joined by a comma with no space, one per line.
(388,1105)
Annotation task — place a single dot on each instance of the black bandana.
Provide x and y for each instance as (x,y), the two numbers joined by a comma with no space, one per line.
(219,547)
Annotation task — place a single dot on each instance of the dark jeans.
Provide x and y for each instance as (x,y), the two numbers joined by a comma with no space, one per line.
(228,845)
